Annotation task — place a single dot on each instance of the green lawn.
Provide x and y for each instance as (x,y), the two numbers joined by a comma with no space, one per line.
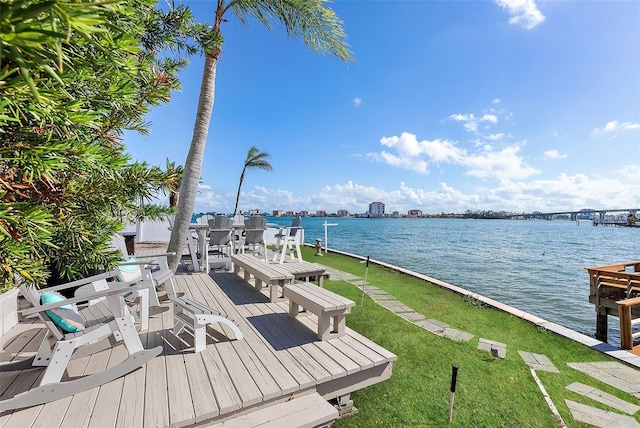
(490,393)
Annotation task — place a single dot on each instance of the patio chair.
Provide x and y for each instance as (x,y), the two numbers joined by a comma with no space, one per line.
(287,240)
(220,236)
(254,236)
(188,314)
(78,334)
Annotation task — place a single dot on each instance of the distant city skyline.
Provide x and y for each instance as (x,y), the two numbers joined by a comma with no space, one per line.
(449,106)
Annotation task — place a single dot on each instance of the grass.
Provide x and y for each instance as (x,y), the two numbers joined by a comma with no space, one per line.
(490,393)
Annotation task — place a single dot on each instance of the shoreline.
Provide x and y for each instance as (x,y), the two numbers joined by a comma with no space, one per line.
(591,342)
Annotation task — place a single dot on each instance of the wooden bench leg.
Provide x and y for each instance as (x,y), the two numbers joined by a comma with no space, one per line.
(324,326)
(294,309)
(339,324)
(257,284)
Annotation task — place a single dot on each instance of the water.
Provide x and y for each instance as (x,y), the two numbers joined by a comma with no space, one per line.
(536,266)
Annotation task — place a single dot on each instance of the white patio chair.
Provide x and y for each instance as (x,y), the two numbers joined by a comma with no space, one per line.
(254,236)
(287,241)
(220,236)
(76,334)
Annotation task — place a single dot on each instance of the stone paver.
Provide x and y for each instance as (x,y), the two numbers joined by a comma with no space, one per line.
(336,274)
(377,297)
(600,418)
(375,291)
(612,373)
(395,306)
(411,316)
(603,397)
(457,335)
(538,362)
(434,326)
(488,345)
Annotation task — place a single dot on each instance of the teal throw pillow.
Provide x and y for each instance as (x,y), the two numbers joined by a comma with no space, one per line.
(65,317)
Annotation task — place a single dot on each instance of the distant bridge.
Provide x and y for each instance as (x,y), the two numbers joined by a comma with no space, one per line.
(584,214)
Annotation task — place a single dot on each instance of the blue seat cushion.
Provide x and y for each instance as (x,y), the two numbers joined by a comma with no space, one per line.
(64,317)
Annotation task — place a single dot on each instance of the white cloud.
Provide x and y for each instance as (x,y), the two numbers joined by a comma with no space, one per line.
(503,165)
(614,127)
(489,118)
(554,154)
(496,101)
(415,155)
(357,101)
(523,12)
(471,122)
(495,137)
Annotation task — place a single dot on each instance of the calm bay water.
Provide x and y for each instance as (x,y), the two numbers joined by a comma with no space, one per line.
(536,266)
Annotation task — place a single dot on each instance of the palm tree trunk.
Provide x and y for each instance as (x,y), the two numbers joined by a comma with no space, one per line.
(193,163)
(235,209)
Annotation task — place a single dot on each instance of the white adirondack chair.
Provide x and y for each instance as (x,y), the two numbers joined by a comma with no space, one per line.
(59,347)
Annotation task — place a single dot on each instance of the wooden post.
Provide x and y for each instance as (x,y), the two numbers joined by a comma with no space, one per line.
(601,323)
(626,328)
(624,313)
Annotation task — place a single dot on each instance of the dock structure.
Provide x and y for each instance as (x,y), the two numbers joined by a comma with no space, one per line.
(279,373)
(615,290)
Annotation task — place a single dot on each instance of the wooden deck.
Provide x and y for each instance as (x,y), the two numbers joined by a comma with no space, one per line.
(278,360)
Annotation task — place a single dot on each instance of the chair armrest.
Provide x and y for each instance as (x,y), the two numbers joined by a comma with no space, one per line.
(83,281)
(114,288)
(148,256)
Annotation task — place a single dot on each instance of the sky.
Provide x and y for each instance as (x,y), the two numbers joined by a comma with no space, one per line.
(448,106)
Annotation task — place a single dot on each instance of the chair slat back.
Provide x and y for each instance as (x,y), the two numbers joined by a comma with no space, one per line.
(33,297)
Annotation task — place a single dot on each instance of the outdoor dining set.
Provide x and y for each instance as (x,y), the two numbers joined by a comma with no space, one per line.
(222,236)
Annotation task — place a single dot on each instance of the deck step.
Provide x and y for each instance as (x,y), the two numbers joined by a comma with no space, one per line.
(307,411)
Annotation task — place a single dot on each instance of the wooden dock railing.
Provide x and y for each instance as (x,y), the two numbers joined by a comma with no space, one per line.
(610,284)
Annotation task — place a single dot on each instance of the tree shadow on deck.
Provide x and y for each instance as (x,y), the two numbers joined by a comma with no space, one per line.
(282,332)
(239,291)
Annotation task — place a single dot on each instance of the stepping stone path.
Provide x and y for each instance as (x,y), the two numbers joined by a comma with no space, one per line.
(538,362)
(390,303)
(615,374)
(603,397)
(489,345)
(600,418)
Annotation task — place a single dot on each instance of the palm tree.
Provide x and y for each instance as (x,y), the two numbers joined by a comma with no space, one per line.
(171,182)
(319,28)
(255,160)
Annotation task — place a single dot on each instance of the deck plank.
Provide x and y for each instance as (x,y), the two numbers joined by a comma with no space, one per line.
(181,409)
(106,410)
(156,409)
(81,406)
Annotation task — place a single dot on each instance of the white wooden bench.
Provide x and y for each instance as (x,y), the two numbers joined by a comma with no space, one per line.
(195,316)
(270,274)
(330,307)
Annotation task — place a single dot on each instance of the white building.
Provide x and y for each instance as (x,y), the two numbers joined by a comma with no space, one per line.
(376,209)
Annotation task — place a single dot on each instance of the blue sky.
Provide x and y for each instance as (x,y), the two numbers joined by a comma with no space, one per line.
(449,106)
